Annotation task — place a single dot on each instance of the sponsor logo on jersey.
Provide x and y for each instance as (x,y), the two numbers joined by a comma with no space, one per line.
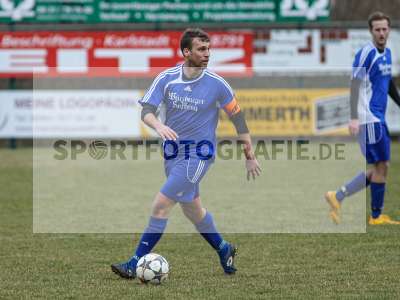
(385,69)
(184,102)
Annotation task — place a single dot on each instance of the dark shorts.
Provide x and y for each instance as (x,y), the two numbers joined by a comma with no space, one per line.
(374,141)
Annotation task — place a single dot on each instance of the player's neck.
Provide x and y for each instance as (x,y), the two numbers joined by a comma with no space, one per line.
(190,72)
(381,49)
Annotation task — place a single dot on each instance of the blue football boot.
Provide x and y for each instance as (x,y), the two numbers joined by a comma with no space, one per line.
(227,256)
(126,270)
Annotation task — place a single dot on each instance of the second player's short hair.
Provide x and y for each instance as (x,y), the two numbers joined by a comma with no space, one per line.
(377,16)
(191,33)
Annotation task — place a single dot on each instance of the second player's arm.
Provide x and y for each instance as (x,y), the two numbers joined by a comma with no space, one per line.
(393,92)
(354,95)
(148,116)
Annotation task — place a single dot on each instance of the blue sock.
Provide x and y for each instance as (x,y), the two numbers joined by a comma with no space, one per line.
(207,229)
(377,198)
(353,186)
(149,239)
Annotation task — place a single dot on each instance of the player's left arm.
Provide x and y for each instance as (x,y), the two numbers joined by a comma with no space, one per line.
(236,116)
(394,93)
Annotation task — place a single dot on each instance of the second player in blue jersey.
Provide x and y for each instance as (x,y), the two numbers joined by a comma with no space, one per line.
(370,85)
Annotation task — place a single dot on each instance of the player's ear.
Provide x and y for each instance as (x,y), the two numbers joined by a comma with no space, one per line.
(186,52)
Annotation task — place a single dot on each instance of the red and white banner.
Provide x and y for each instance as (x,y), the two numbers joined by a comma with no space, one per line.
(314,51)
(112,54)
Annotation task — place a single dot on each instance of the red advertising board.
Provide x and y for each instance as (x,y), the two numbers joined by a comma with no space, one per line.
(93,54)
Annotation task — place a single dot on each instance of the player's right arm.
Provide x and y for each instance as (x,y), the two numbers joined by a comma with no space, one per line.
(354,124)
(148,116)
(151,101)
(361,64)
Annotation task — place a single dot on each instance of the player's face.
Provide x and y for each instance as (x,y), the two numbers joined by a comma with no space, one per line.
(380,32)
(199,55)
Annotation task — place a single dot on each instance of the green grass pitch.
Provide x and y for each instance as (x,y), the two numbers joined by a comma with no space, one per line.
(286,266)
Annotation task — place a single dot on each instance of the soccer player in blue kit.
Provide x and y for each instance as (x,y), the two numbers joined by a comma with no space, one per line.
(193,96)
(371,83)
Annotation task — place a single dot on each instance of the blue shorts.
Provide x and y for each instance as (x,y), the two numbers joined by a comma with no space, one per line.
(374,141)
(183,178)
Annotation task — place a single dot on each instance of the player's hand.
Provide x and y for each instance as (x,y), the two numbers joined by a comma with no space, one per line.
(354,126)
(166,133)
(253,168)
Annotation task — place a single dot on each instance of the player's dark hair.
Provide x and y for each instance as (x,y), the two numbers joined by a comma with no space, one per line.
(377,16)
(191,33)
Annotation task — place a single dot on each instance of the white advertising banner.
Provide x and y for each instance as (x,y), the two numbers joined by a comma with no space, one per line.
(314,51)
(89,114)
(70,114)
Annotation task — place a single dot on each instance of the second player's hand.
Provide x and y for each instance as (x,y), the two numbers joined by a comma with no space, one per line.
(166,133)
(354,126)
(253,168)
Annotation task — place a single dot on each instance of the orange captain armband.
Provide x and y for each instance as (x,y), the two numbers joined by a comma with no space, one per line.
(232,108)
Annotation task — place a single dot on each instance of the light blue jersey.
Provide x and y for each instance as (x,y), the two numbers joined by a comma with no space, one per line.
(375,70)
(192,106)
